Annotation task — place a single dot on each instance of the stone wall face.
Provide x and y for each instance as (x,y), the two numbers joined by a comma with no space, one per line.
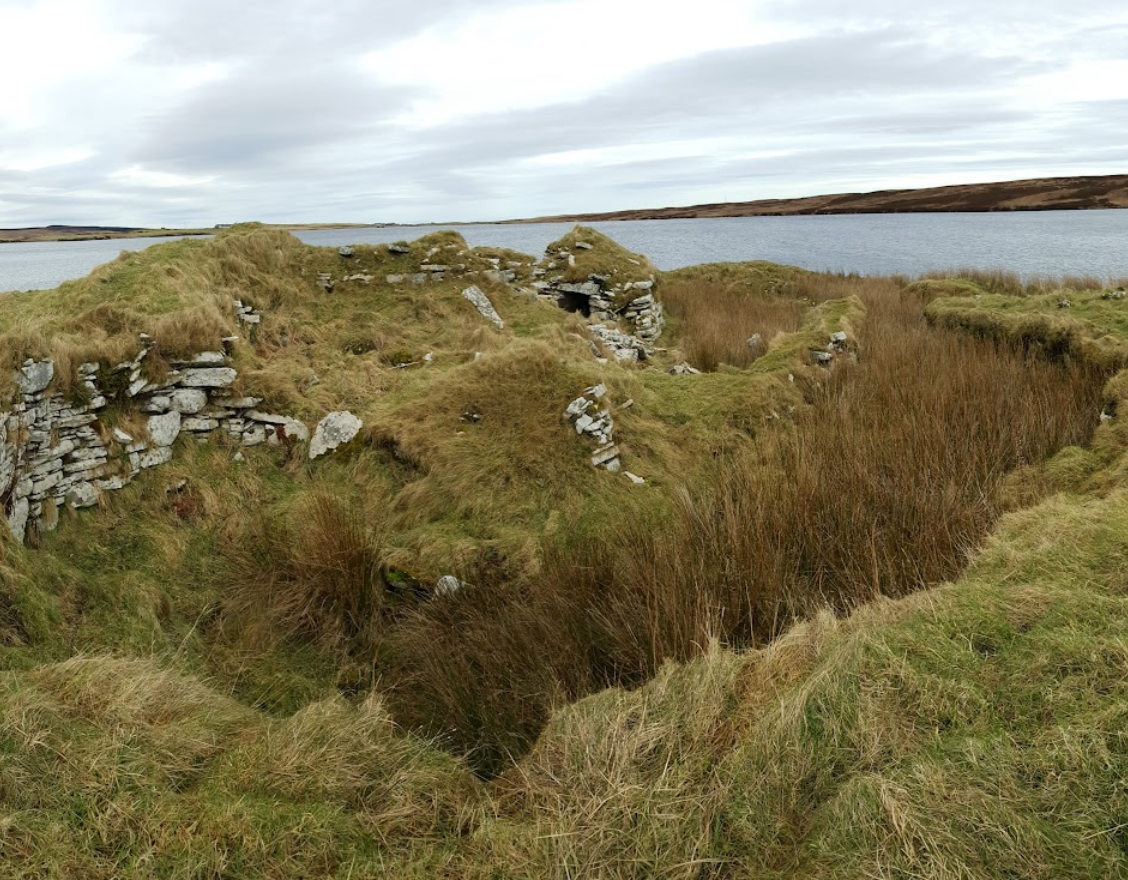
(56,452)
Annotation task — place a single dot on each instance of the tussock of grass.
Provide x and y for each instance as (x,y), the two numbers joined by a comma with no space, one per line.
(716,323)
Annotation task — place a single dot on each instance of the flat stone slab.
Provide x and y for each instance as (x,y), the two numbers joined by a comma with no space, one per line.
(209,377)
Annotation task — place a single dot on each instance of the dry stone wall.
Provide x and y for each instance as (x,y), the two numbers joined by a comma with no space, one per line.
(607,301)
(57,452)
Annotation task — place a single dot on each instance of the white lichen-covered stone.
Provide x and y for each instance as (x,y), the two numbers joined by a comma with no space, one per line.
(164,429)
(197,425)
(208,377)
(34,376)
(17,519)
(151,458)
(448,585)
(188,401)
(485,308)
(83,495)
(333,431)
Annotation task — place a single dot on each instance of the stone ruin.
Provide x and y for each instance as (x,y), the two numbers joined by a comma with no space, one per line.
(590,415)
(57,452)
(607,301)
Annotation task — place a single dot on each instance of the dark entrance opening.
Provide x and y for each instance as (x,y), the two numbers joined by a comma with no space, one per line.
(575,302)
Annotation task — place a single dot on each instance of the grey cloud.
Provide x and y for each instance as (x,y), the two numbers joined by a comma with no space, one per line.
(267,115)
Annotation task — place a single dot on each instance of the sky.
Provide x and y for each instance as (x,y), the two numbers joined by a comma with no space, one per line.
(174,113)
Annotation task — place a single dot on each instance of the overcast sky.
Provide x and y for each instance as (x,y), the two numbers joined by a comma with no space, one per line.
(170,113)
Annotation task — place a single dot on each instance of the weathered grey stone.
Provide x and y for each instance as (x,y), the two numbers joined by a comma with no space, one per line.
(394,279)
(345,251)
(266,418)
(122,437)
(254,436)
(399,249)
(188,401)
(7,465)
(583,423)
(584,245)
(113,484)
(49,482)
(577,407)
(204,359)
(163,430)
(683,370)
(296,430)
(602,456)
(197,425)
(208,377)
(34,376)
(83,495)
(84,466)
(152,458)
(634,478)
(78,421)
(482,303)
(447,585)
(334,430)
(17,519)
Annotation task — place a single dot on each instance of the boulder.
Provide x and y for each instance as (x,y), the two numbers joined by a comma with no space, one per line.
(334,430)
(345,251)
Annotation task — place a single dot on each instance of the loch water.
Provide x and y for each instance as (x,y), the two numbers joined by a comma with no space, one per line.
(1033,244)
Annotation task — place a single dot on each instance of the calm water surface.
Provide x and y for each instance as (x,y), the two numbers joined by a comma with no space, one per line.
(1044,243)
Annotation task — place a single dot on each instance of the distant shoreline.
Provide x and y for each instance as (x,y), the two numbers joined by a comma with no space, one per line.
(1039,194)
(56,233)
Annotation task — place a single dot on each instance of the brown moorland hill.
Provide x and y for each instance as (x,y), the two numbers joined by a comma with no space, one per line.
(1044,194)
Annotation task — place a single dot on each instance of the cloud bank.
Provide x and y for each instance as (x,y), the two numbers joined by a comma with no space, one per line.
(170,114)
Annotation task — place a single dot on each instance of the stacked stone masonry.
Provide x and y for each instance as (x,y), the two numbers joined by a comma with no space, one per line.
(600,298)
(56,452)
(591,417)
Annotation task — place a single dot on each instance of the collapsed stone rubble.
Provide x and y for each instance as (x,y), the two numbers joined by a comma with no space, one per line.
(591,418)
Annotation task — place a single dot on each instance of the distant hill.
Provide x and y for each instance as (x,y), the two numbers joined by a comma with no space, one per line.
(1044,194)
(60,232)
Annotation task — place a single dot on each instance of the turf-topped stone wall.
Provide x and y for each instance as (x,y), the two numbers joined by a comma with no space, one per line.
(57,452)
(588,273)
